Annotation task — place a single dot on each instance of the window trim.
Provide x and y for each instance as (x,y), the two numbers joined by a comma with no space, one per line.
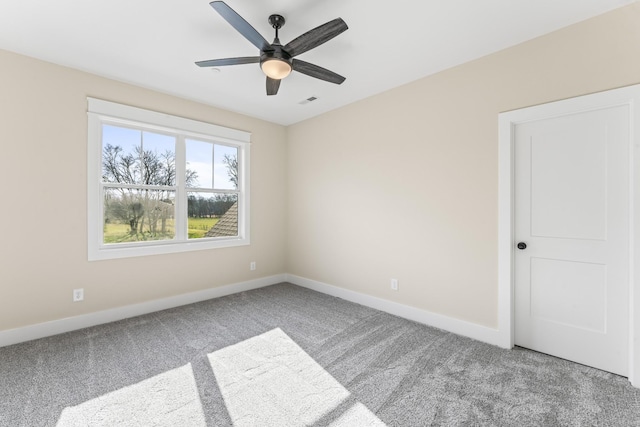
(99,112)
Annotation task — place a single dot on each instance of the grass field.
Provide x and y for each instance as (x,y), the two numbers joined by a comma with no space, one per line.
(199,226)
(119,233)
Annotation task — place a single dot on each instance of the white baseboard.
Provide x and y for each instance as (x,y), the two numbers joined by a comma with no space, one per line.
(41,330)
(460,327)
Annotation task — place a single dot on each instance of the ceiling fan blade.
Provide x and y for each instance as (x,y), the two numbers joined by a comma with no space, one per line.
(242,26)
(317,72)
(272,86)
(315,37)
(228,61)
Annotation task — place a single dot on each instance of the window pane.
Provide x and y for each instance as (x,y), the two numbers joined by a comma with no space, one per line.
(225,168)
(132,215)
(121,155)
(132,156)
(212,215)
(199,164)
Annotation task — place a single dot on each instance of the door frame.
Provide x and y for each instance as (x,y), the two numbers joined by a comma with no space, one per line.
(507,121)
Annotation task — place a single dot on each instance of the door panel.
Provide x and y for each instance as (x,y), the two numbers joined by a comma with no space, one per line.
(569,203)
(569,293)
(572,211)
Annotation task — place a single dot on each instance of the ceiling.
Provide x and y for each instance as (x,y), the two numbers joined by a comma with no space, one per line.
(154,44)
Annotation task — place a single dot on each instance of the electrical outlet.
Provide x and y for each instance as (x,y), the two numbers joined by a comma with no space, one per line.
(252,266)
(78,295)
(394,284)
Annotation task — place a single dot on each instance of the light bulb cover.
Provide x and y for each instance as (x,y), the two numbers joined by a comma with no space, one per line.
(275,68)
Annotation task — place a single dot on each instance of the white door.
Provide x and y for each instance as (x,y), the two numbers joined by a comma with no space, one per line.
(572,213)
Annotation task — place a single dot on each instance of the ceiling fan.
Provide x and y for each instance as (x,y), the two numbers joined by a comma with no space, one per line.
(277,61)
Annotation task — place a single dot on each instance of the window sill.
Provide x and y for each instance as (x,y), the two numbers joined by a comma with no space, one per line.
(115,252)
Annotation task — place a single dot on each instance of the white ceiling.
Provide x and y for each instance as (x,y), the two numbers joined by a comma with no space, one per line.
(154,43)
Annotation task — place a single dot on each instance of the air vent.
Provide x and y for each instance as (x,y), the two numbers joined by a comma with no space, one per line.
(308,100)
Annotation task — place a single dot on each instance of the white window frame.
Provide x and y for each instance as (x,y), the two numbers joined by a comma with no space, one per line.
(104,112)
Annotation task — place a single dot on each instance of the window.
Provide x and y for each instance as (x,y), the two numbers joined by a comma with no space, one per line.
(161,184)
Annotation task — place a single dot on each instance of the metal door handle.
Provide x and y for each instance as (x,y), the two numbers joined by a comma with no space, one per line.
(522,246)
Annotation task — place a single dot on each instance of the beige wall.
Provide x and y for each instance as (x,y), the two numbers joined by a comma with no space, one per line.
(43,251)
(404,184)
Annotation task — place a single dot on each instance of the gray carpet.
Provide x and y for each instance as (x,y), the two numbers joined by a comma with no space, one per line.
(284,355)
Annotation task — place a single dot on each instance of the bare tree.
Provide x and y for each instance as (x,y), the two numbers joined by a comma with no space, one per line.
(231,162)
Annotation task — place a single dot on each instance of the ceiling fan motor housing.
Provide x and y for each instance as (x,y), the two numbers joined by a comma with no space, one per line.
(276,53)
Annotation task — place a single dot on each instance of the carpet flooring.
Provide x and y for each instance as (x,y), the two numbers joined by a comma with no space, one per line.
(287,356)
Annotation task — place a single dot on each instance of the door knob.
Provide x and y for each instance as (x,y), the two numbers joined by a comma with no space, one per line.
(522,246)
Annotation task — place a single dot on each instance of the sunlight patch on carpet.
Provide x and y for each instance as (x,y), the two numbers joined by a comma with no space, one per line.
(167,399)
(268,380)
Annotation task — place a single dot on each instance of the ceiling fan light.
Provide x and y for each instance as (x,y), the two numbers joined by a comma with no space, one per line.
(276,69)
